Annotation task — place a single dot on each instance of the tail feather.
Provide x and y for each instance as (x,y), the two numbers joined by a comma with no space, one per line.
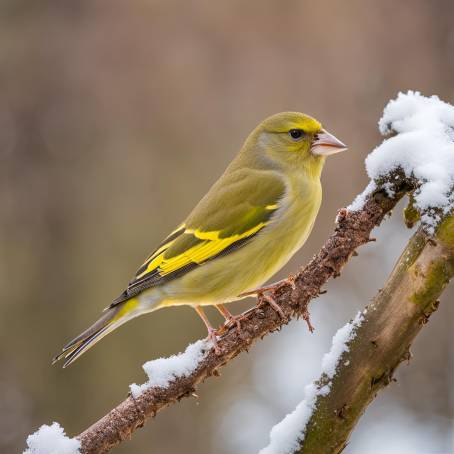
(111,320)
(86,344)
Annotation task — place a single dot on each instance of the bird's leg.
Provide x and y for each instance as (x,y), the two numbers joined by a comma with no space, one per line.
(229,317)
(271,287)
(211,330)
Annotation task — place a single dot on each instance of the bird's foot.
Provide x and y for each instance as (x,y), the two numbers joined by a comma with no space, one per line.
(263,293)
(272,302)
(230,319)
(272,287)
(235,320)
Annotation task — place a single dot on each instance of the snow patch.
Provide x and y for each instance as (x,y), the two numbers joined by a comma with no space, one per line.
(423,149)
(339,345)
(162,371)
(287,435)
(51,440)
(360,199)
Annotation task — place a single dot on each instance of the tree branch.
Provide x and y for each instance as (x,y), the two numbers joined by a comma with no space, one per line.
(352,230)
(382,340)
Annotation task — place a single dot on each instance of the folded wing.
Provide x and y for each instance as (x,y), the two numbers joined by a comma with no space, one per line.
(236,209)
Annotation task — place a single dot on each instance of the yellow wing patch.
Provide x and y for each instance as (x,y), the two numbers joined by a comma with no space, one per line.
(210,246)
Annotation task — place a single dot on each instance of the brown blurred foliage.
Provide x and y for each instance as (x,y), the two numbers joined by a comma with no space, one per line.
(115,118)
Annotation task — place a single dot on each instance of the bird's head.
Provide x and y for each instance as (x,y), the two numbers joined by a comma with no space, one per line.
(293,140)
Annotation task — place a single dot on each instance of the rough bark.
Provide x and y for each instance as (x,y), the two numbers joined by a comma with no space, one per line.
(382,342)
(352,230)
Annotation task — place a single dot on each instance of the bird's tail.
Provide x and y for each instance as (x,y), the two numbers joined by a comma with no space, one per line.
(114,317)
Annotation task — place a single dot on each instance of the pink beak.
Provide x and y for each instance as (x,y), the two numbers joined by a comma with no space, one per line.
(326,144)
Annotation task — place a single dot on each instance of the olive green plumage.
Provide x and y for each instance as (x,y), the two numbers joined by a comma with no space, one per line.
(248,225)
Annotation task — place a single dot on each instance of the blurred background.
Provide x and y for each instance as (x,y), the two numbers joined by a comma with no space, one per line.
(115,118)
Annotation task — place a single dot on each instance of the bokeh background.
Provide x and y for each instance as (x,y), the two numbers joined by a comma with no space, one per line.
(115,118)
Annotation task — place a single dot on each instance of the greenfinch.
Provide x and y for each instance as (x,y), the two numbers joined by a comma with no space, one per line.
(249,224)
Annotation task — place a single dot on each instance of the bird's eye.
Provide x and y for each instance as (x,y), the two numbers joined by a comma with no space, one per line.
(296,134)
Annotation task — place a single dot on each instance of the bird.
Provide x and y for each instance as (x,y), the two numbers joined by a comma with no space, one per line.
(249,224)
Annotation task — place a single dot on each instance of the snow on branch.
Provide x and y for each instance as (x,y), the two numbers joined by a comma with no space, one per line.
(51,440)
(287,435)
(423,149)
(162,371)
